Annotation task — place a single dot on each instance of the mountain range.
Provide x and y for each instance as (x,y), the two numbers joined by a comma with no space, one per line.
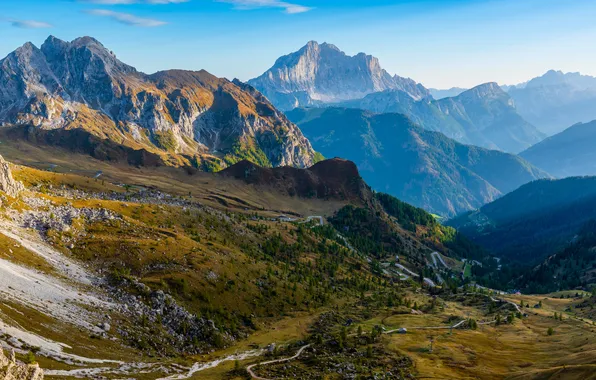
(184,117)
(556,100)
(321,75)
(484,115)
(421,167)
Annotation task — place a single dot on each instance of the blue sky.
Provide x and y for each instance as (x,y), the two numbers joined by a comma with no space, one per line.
(438,43)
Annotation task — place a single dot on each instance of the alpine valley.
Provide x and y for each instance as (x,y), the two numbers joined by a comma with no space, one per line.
(326,220)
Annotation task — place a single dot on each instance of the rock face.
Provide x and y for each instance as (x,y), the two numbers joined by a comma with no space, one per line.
(11,370)
(8,184)
(321,73)
(194,117)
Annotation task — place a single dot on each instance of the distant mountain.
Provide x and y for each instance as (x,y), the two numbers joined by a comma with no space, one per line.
(484,115)
(183,117)
(533,221)
(557,100)
(569,153)
(321,73)
(448,93)
(421,167)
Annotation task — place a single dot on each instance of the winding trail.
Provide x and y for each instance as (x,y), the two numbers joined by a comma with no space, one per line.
(253,375)
(249,369)
(436,255)
(507,301)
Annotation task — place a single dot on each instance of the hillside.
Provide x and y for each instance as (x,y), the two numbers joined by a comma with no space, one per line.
(421,167)
(185,274)
(569,153)
(133,270)
(574,267)
(330,179)
(484,115)
(534,221)
(185,118)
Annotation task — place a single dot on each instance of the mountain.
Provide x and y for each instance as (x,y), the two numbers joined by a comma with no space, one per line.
(334,179)
(569,153)
(421,167)
(556,100)
(533,221)
(447,93)
(185,117)
(484,115)
(321,73)
(570,268)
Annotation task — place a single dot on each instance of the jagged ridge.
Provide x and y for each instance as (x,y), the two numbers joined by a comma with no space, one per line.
(81,84)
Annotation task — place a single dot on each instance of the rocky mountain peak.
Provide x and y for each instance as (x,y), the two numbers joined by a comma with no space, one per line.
(81,84)
(324,74)
(490,90)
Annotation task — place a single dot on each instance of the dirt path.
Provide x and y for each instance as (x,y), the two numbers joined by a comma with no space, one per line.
(249,369)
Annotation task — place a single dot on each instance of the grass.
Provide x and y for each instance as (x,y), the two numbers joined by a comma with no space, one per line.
(14,252)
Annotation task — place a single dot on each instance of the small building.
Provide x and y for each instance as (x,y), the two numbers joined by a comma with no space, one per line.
(403,330)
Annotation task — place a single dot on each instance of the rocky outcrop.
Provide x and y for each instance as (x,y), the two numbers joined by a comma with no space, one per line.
(8,184)
(335,179)
(186,114)
(10,369)
(321,73)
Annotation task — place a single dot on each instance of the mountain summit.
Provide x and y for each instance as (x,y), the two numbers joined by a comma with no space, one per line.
(557,100)
(184,117)
(322,73)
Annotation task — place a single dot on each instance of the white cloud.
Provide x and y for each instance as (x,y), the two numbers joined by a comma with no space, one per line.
(124,2)
(126,18)
(29,24)
(255,4)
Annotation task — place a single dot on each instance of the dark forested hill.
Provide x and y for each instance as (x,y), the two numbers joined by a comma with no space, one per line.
(569,153)
(534,221)
(423,168)
(572,267)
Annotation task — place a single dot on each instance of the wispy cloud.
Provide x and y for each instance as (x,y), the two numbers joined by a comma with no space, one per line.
(255,4)
(125,2)
(29,24)
(126,18)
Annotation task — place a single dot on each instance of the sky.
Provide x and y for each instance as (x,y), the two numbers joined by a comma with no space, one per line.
(439,43)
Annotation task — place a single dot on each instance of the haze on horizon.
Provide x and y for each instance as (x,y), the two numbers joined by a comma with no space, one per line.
(442,44)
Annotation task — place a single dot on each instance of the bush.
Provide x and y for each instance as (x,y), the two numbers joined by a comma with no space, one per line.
(30,358)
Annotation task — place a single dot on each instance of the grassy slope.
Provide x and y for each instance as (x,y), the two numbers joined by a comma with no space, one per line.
(524,348)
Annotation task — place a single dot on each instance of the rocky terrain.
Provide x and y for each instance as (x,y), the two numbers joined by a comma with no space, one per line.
(10,369)
(322,73)
(182,117)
